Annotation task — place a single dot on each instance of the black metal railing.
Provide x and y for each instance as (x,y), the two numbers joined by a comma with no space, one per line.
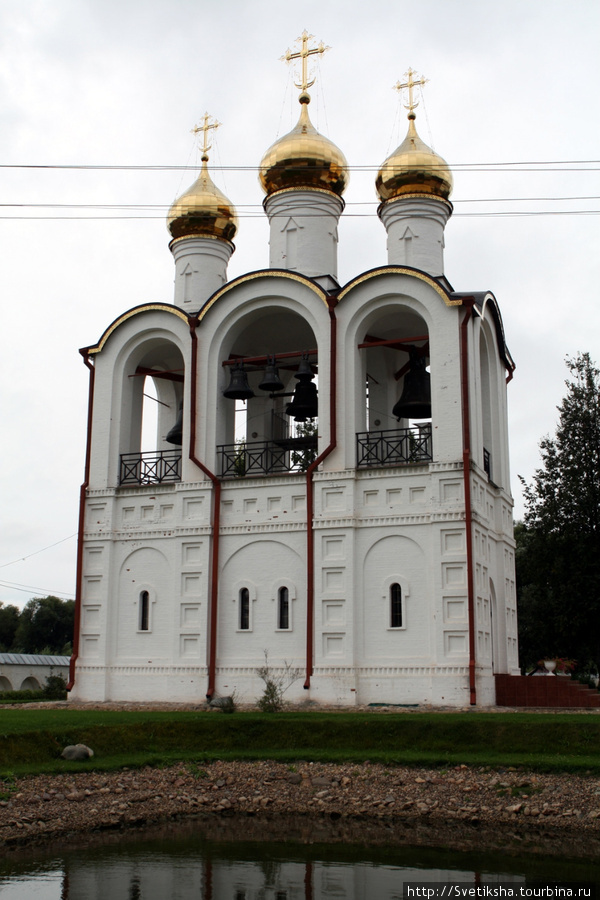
(291,454)
(150,468)
(394,446)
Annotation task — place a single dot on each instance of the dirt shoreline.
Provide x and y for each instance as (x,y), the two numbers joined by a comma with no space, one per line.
(461,807)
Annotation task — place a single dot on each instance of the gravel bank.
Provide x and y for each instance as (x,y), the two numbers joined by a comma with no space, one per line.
(460,806)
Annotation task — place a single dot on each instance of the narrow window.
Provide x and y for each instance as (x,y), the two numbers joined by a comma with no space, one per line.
(144,610)
(244,609)
(396,606)
(283,608)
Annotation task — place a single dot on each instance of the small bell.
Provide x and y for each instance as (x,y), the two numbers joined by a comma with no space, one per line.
(238,388)
(271,381)
(175,435)
(305,372)
(415,400)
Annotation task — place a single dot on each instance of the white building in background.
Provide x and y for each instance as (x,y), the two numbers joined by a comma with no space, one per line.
(361,527)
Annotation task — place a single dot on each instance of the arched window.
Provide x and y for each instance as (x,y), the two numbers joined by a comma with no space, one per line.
(395,606)
(144,618)
(283,608)
(244,617)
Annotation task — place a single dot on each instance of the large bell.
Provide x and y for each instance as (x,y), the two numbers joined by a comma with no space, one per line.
(175,435)
(415,401)
(238,388)
(271,381)
(305,403)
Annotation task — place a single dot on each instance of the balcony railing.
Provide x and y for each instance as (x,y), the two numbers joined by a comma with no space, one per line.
(291,454)
(394,446)
(156,467)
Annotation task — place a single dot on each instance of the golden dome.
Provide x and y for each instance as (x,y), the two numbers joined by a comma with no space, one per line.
(304,159)
(203,210)
(413,168)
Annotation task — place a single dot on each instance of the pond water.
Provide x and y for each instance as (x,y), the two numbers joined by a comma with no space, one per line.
(181,862)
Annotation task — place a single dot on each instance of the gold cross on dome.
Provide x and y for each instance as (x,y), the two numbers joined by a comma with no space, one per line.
(410,83)
(205,128)
(303,54)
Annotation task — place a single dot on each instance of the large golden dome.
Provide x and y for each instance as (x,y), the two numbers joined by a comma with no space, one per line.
(413,168)
(203,210)
(304,159)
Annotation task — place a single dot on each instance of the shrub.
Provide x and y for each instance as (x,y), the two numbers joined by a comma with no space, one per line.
(276,684)
(55,688)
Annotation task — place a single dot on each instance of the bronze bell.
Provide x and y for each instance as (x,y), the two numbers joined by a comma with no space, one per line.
(305,403)
(175,435)
(415,401)
(305,372)
(238,388)
(271,381)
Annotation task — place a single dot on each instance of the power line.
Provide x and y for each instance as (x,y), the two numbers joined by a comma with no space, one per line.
(515,166)
(489,215)
(27,589)
(258,206)
(35,552)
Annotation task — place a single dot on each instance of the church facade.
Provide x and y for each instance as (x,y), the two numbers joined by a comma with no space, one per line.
(329,486)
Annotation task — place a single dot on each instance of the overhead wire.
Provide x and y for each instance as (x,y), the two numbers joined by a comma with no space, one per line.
(369,167)
(28,588)
(35,552)
(255,210)
(489,215)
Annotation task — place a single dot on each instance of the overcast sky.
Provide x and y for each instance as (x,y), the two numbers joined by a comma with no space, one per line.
(122,83)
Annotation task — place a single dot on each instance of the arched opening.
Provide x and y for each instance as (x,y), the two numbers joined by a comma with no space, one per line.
(144,611)
(30,684)
(283,609)
(5,684)
(269,396)
(151,415)
(486,405)
(396,617)
(395,418)
(244,609)
(490,451)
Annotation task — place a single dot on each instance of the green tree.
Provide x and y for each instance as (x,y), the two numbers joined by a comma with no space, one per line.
(558,545)
(46,626)
(9,621)
(305,451)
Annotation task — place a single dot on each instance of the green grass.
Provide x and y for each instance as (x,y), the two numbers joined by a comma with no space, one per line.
(31,740)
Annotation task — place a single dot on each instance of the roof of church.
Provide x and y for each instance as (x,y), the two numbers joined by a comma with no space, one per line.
(413,168)
(203,210)
(303,158)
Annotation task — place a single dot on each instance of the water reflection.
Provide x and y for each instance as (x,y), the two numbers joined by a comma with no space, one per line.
(181,863)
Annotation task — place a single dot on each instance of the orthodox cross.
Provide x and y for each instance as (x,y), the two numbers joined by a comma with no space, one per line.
(205,128)
(410,84)
(303,54)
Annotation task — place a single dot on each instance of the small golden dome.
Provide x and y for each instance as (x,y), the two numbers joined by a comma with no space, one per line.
(413,168)
(203,210)
(304,159)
